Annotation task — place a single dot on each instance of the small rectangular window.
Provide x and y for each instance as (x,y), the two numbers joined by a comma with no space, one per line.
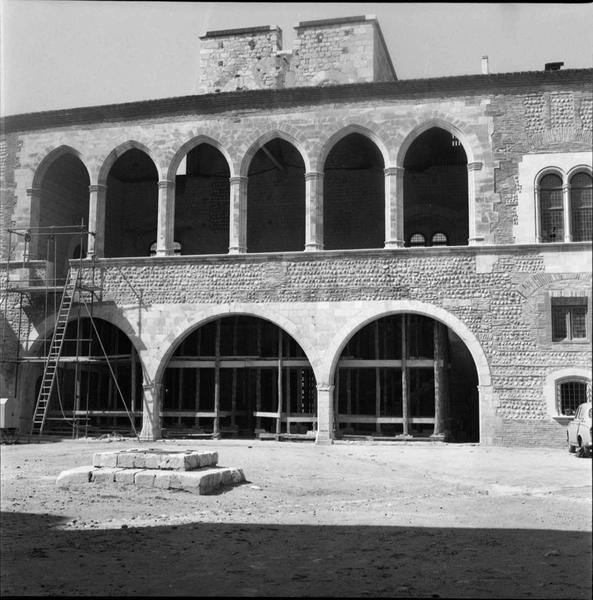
(570,395)
(569,318)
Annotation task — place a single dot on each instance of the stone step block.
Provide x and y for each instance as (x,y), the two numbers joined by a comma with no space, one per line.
(178,460)
(197,481)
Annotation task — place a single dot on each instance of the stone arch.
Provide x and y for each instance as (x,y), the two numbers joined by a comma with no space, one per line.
(267,137)
(347,130)
(50,157)
(190,145)
(579,169)
(367,315)
(118,151)
(185,327)
(469,140)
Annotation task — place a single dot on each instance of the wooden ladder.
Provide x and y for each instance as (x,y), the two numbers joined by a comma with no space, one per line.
(55,350)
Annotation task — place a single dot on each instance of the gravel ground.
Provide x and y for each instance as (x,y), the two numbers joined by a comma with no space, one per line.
(352,519)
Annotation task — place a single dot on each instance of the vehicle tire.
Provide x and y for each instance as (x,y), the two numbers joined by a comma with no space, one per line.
(584,452)
(572,449)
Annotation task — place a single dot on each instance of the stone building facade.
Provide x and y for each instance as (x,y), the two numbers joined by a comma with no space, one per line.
(310,243)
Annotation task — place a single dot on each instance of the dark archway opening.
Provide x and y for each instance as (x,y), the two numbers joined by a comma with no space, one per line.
(435,190)
(354,195)
(131,214)
(276,199)
(98,386)
(239,376)
(64,206)
(396,372)
(202,201)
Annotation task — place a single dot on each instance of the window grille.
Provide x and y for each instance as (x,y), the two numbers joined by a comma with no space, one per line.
(569,394)
(569,318)
(417,239)
(439,239)
(581,192)
(552,208)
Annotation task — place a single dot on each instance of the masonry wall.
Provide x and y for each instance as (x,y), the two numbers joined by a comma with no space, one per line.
(496,290)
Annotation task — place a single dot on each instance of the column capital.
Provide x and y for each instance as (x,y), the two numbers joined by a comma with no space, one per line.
(97,187)
(475,166)
(390,171)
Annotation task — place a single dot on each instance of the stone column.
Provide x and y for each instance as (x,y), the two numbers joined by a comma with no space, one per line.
(566,213)
(166,218)
(151,418)
(405,378)
(34,196)
(314,211)
(238,216)
(472,170)
(538,216)
(394,207)
(325,414)
(440,381)
(97,208)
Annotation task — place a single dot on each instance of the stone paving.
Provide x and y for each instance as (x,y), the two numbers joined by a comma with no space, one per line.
(195,472)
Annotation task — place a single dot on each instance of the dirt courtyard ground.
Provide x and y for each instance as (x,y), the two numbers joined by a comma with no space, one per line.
(351,519)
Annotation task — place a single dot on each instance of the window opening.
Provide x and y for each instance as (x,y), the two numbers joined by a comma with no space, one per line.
(417,239)
(581,191)
(570,394)
(439,239)
(569,319)
(552,208)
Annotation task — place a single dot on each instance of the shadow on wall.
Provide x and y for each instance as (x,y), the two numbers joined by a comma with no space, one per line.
(242,559)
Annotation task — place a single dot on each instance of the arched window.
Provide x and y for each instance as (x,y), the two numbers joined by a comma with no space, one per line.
(581,192)
(551,208)
(439,239)
(569,394)
(417,239)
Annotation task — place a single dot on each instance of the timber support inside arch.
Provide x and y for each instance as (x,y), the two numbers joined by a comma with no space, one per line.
(406,376)
(239,376)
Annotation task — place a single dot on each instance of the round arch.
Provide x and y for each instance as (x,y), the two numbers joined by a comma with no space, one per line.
(118,151)
(347,130)
(187,326)
(366,316)
(267,137)
(579,169)
(194,143)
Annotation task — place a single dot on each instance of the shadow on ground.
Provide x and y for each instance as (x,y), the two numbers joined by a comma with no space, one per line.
(202,559)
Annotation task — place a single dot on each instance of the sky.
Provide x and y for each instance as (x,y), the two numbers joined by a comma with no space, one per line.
(57,54)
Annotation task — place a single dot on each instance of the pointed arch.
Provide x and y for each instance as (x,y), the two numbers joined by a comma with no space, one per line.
(120,150)
(192,143)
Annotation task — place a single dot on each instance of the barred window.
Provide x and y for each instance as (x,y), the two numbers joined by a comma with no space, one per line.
(551,208)
(569,318)
(439,239)
(569,394)
(581,192)
(417,239)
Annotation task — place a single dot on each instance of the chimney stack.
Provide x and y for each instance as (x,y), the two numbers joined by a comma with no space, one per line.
(484,65)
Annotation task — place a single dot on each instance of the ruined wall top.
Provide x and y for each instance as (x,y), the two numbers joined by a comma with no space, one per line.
(326,52)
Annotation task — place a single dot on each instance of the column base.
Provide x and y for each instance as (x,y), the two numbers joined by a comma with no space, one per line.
(391,244)
(323,441)
(149,435)
(237,250)
(313,247)
(164,252)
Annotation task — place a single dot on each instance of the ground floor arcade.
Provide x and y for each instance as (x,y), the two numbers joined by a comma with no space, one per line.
(239,375)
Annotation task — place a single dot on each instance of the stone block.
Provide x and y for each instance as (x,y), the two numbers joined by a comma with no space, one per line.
(105,459)
(127,460)
(126,476)
(145,478)
(208,459)
(162,479)
(74,476)
(103,475)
